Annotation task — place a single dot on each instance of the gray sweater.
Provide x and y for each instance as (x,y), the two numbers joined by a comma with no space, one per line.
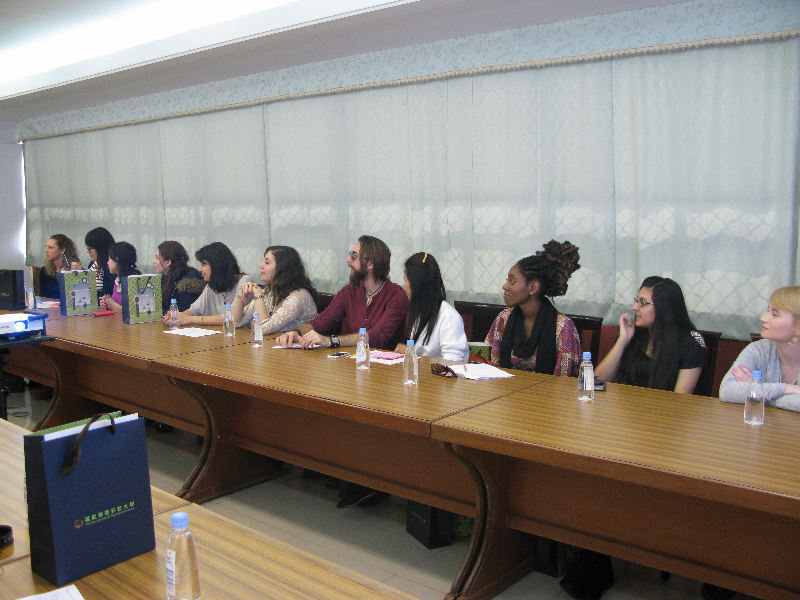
(760,356)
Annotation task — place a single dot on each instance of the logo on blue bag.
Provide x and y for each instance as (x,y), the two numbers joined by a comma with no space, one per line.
(104,515)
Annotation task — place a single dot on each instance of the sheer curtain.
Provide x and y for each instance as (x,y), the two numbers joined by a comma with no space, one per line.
(681,164)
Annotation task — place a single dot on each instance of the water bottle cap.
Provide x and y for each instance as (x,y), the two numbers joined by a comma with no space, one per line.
(410,343)
(255,315)
(173,301)
(228,306)
(180,520)
(362,331)
(587,356)
(756,374)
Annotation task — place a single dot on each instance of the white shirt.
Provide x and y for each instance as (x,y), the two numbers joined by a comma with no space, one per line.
(448,339)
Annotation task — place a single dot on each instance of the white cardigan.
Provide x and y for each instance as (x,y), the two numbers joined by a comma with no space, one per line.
(448,339)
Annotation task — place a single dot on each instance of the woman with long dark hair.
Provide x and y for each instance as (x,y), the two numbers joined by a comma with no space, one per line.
(658,346)
(179,281)
(435,326)
(121,263)
(288,298)
(61,255)
(531,334)
(98,241)
(224,279)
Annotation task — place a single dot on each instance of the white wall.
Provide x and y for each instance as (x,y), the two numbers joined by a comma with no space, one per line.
(12,203)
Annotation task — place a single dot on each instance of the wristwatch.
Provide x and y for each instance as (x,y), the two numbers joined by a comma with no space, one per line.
(335,341)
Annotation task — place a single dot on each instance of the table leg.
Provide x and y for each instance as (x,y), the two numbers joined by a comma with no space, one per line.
(222,467)
(497,555)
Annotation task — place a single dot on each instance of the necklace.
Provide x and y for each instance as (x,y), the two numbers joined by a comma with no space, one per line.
(369,296)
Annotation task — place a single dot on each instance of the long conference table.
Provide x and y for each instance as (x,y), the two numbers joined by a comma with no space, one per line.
(236,563)
(673,481)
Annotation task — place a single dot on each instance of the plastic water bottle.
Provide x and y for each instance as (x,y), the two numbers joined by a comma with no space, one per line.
(183,573)
(410,372)
(754,402)
(586,379)
(228,324)
(256,334)
(173,319)
(362,349)
(30,299)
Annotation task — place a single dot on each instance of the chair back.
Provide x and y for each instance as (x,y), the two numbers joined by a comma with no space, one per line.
(478,318)
(706,381)
(589,329)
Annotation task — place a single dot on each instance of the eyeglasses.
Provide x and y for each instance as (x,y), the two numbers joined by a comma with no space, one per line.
(442,370)
(353,255)
(641,302)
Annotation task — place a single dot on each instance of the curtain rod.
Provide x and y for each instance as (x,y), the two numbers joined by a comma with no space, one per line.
(777,36)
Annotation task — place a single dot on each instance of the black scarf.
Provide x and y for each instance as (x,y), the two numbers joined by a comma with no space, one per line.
(543,338)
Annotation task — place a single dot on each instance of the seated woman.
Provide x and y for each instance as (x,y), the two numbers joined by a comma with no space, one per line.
(531,334)
(121,263)
(434,325)
(179,281)
(657,346)
(776,355)
(286,301)
(61,255)
(220,270)
(98,241)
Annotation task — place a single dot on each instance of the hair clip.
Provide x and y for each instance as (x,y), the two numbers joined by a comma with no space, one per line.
(424,258)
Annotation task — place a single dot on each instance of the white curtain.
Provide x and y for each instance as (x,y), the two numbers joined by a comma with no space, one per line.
(680,164)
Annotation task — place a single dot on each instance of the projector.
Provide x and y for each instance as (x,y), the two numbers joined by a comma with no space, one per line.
(17,325)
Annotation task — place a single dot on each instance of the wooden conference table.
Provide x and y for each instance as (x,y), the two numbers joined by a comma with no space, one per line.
(236,563)
(674,481)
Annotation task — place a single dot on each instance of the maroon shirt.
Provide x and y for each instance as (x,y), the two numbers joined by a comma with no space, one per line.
(384,318)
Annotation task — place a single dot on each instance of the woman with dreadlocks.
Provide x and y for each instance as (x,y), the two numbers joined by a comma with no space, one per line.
(531,334)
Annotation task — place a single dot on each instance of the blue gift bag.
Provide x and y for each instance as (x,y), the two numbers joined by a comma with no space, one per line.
(89,500)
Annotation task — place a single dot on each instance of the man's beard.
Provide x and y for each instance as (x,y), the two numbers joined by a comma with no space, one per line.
(356,277)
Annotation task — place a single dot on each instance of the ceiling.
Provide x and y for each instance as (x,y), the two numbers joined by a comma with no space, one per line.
(300,32)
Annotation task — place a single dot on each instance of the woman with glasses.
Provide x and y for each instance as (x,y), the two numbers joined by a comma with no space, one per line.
(776,355)
(531,334)
(179,281)
(435,326)
(287,299)
(98,241)
(220,270)
(657,346)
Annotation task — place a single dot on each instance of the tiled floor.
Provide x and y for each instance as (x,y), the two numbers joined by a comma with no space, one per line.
(372,541)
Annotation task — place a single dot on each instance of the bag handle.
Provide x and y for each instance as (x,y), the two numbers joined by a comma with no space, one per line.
(74,453)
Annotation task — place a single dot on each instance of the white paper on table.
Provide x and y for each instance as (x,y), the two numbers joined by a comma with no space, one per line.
(66,593)
(192,331)
(479,371)
(296,345)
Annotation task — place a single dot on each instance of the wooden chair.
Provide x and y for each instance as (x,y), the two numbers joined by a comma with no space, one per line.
(589,327)
(706,381)
(478,318)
